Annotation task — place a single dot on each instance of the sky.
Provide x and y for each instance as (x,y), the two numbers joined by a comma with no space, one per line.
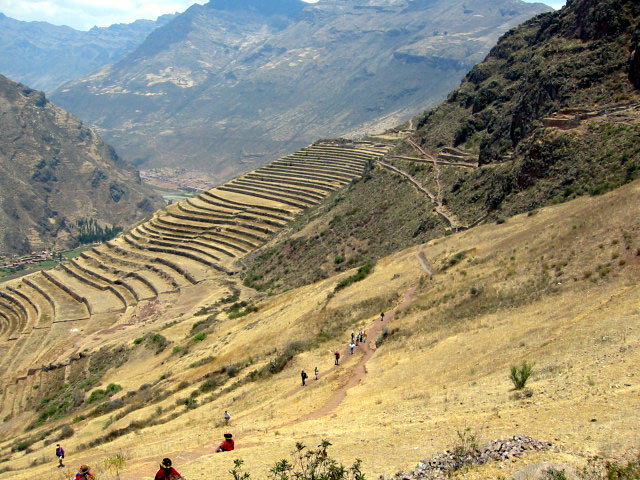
(84,14)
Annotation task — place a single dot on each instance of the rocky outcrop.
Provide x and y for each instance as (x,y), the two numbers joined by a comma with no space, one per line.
(442,465)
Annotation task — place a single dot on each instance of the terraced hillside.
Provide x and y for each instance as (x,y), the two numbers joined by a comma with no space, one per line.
(185,248)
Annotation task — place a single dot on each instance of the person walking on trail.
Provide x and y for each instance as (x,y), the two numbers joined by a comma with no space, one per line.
(316,371)
(60,455)
(351,347)
(304,376)
(227,417)
(364,336)
(227,445)
(382,316)
(337,355)
(84,473)
(353,337)
(167,472)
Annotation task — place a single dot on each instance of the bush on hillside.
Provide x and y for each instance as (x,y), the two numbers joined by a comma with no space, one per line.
(307,464)
(362,273)
(520,375)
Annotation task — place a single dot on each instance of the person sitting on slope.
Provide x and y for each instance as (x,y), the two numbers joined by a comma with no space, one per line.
(167,472)
(227,445)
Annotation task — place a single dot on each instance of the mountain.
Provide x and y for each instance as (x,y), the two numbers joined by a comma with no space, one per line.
(551,114)
(227,86)
(134,349)
(46,56)
(54,171)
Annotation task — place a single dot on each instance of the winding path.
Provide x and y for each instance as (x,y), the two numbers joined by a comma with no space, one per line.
(357,370)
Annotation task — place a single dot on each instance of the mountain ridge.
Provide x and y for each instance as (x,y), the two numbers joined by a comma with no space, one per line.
(223,100)
(56,171)
(46,56)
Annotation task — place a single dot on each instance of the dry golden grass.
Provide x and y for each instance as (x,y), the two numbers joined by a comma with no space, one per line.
(521,292)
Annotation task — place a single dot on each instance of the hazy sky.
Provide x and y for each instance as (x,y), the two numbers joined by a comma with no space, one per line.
(83,14)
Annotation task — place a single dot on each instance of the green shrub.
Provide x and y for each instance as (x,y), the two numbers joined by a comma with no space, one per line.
(112,388)
(138,341)
(520,375)
(362,273)
(208,385)
(176,349)
(199,337)
(454,260)
(96,396)
(307,464)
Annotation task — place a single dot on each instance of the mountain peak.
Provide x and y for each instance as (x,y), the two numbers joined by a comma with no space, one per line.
(264,7)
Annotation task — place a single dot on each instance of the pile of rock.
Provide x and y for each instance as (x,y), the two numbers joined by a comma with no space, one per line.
(442,464)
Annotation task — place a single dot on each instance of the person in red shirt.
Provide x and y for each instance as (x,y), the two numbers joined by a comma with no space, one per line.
(167,472)
(227,445)
(84,473)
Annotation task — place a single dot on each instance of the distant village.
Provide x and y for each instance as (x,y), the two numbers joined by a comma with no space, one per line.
(18,263)
(177,179)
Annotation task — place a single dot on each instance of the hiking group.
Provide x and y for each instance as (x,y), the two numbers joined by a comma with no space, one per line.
(356,339)
(167,471)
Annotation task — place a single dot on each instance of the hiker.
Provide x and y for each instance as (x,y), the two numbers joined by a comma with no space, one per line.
(60,455)
(337,354)
(351,347)
(316,371)
(227,417)
(84,473)
(167,472)
(304,376)
(382,316)
(353,337)
(364,336)
(227,445)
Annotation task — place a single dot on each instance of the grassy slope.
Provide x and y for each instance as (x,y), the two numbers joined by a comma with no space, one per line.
(558,288)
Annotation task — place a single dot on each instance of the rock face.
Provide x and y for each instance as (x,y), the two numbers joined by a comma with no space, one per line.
(228,85)
(45,56)
(54,171)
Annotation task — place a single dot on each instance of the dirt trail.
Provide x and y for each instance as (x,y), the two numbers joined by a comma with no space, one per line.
(145,467)
(357,372)
(440,208)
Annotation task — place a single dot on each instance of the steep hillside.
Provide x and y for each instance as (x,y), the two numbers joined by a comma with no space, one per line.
(557,289)
(54,172)
(225,86)
(46,56)
(552,113)
(504,142)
